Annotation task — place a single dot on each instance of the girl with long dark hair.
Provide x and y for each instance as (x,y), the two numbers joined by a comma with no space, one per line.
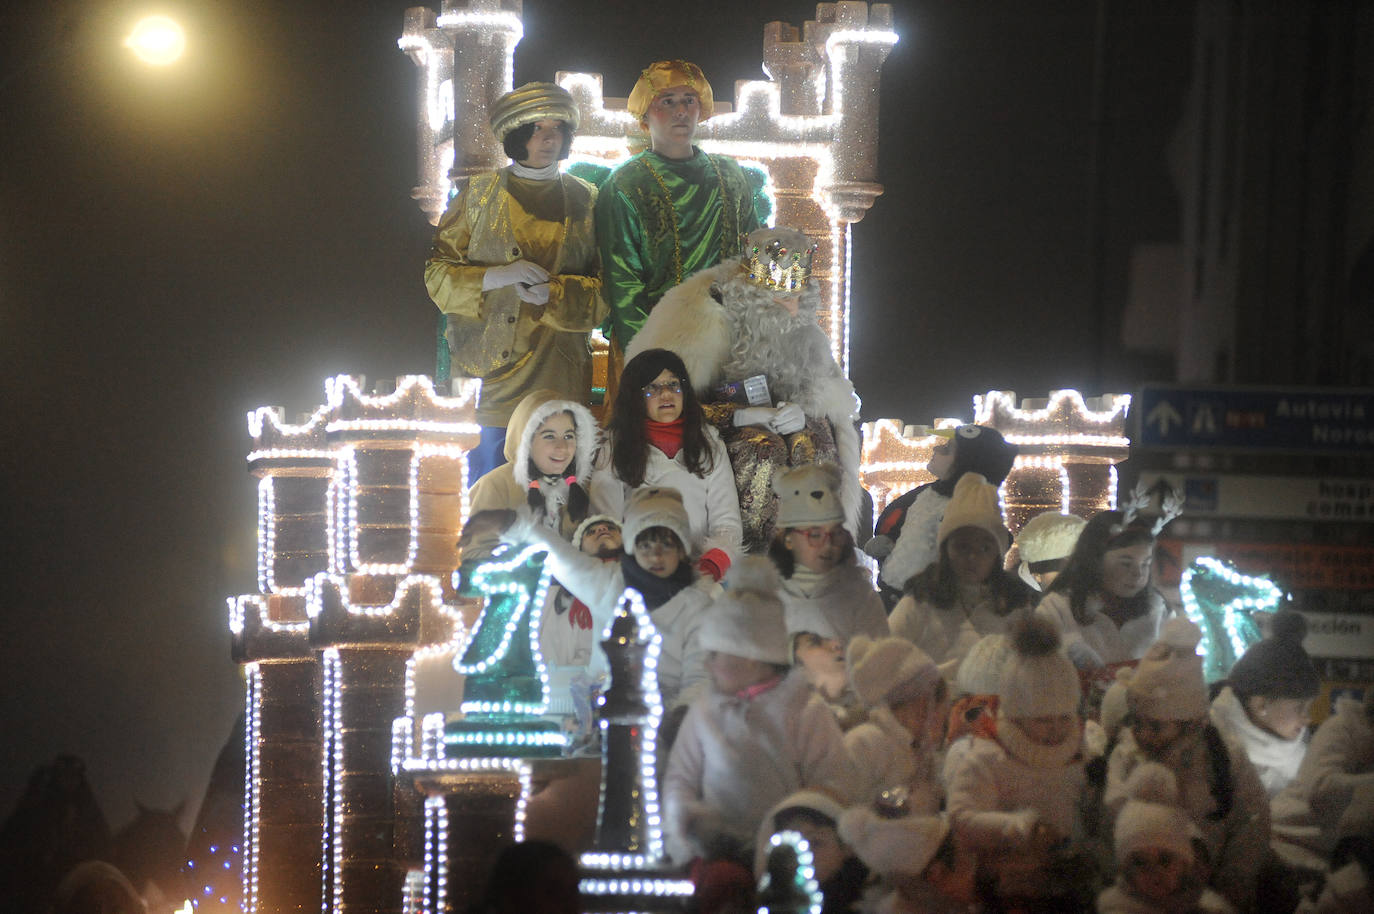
(659,437)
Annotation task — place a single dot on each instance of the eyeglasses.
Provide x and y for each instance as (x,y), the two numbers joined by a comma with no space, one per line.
(819,536)
(653,389)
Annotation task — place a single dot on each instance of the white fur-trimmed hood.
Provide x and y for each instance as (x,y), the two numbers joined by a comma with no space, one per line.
(586,438)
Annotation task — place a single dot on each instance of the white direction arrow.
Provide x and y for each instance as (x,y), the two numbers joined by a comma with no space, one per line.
(1163,414)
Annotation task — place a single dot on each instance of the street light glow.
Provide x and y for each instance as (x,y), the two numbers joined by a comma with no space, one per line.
(157,40)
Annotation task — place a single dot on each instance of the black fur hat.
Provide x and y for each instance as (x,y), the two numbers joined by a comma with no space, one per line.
(1277,667)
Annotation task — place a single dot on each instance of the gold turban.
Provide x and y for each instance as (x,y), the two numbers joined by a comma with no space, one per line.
(529,103)
(665,74)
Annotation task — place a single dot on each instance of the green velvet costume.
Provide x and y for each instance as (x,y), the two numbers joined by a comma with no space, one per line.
(659,221)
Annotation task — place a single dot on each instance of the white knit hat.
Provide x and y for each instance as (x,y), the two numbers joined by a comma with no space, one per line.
(980,672)
(1049,536)
(1039,679)
(1168,682)
(807,496)
(902,846)
(886,667)
(810,800)
(1151,817)
(974,504)
(655,506)
(747,620)
(590,522)
(811,616)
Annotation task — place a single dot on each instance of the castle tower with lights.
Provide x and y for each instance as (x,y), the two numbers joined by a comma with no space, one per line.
(359,509)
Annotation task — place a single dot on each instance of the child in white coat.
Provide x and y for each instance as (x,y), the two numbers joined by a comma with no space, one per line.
(1102,602)
(660,437)
(1015,799)
(814,555)
(1265,703)
(1217,786)
(655,562)
(1154,842)
(907,706)
(965,594)
(758,736)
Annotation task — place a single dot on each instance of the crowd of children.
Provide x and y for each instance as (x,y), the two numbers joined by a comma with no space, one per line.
(946,758)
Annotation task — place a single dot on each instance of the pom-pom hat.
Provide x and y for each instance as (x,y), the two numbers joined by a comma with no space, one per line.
(974,504)
(1151,817)
(665,74)
(1039,679)
(655,506)
(888,669)
(532,102)
(807,496)
(1277,667)
(747,620)
(980,672)
(1168,682)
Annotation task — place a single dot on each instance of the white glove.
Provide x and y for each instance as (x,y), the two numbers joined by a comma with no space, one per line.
(537,294)
(522,271)
(754,415)
(1083,657)
(788,418)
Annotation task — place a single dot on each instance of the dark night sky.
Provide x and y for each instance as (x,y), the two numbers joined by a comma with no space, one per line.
(181,246)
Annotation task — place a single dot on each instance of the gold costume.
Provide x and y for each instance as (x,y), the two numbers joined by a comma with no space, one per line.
(513,346)
(757,455)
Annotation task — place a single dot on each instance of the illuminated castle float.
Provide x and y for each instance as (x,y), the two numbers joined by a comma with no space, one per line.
(379,778)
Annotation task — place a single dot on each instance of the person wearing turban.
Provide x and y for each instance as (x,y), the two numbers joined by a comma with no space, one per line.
(514,268)
(671,210)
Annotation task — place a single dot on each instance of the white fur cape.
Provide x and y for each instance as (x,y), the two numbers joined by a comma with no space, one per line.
(719,323)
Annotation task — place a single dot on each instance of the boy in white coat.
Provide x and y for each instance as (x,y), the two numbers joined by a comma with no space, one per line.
(654,562)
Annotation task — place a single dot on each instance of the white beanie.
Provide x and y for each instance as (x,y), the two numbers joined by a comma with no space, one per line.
(807,496)
(655,506)
(747,620)
(886,668)
(1039,679)
(902,846)
(980,672)
(1151,817)
(810,616)
(590,522)
(811,800)
(1046,538)
(1168,682)
(1049,536)
(974,504)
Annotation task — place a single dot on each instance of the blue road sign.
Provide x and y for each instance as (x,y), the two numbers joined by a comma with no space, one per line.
(1255,419)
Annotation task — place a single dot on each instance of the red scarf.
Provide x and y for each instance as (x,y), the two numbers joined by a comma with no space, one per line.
(666,436)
